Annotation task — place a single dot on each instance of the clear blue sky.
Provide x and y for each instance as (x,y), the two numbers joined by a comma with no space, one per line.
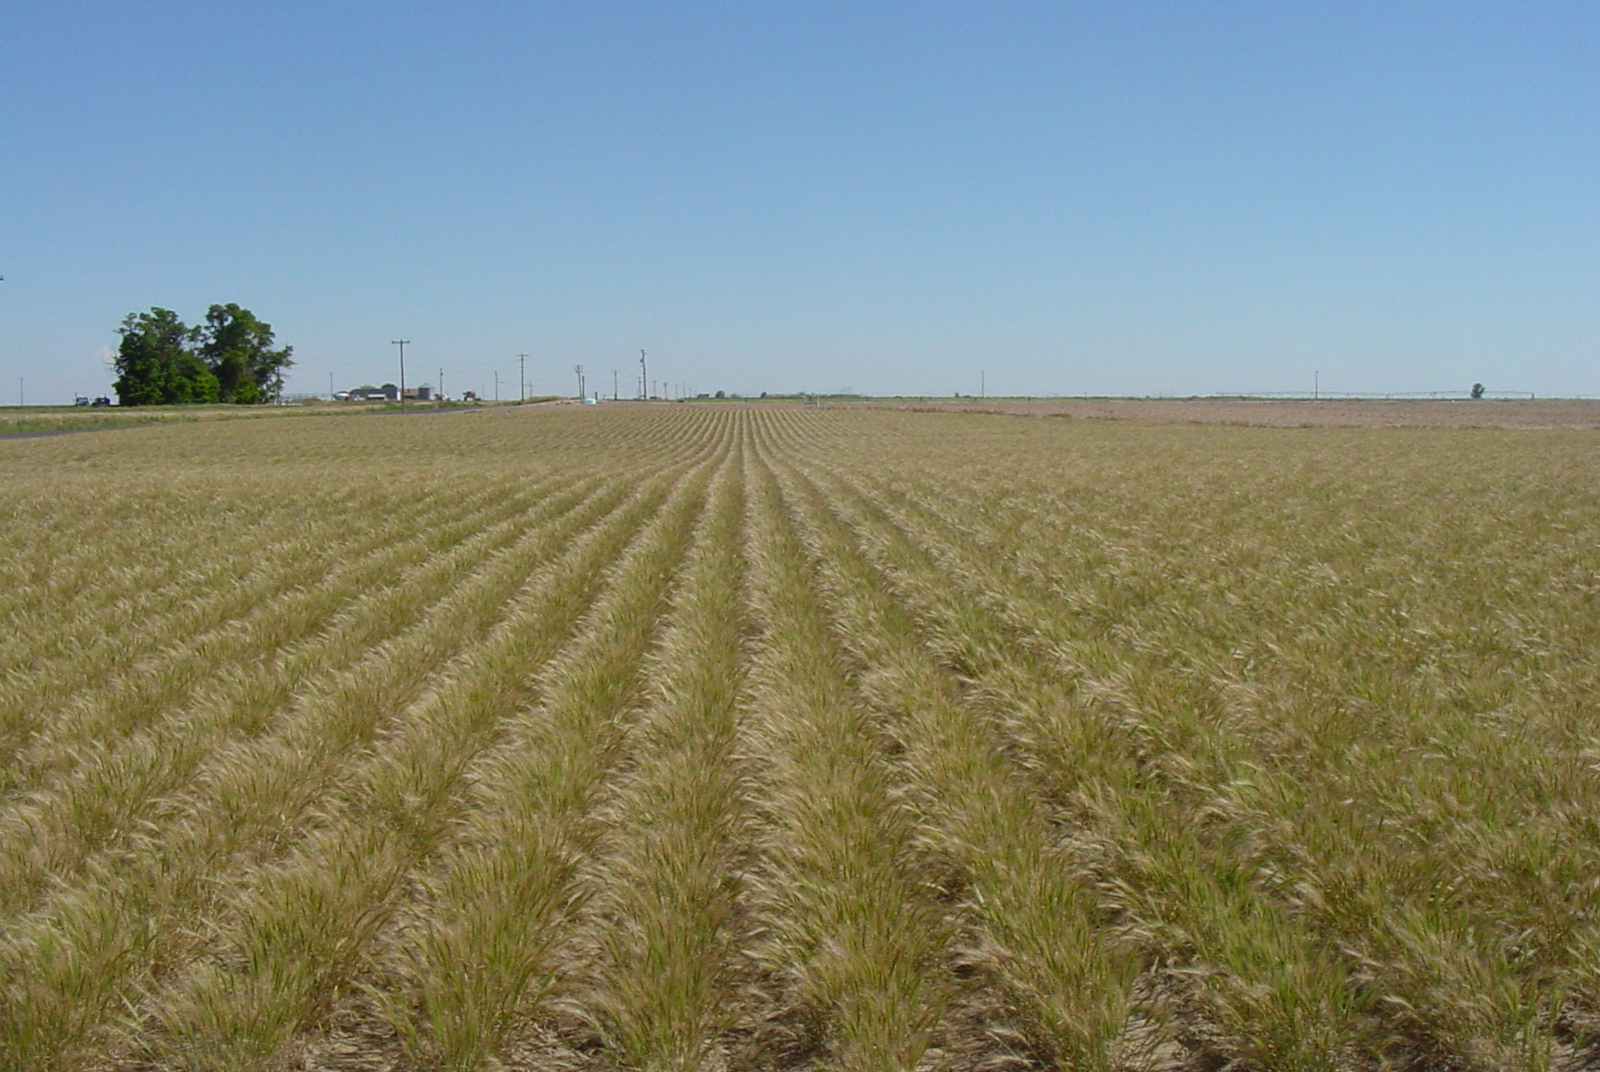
(1075,197)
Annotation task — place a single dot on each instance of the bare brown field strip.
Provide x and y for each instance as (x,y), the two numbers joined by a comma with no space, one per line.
(685,737)
(1283,413)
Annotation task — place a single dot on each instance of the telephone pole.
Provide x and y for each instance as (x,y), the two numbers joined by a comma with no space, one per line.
(643,372)
(402,344)
(983,383)
(522,378)
(441,388)
(613,385)
(579,370)
(497,385)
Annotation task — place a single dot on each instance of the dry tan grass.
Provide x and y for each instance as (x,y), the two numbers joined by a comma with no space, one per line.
(742,737)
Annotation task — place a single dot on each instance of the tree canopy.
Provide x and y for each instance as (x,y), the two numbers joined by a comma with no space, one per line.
(229,358)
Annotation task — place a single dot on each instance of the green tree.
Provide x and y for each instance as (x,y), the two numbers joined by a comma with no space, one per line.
(157,364)
(229,358)
(237,348)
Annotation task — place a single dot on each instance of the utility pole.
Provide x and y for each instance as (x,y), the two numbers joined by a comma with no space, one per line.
(402,344)
(330,387)
(579,370)
(1316,385)
(643,382)
(613,385)
(983,383)
(522,378)
(497,385)
(441,388)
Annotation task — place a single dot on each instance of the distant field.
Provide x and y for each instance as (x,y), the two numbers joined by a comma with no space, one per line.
(34,420)
(1301,413)
(31,420)
(677,737)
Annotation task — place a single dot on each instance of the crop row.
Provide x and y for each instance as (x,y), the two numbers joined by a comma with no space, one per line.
(676,737)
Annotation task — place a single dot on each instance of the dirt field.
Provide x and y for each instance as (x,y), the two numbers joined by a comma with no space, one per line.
(1497,413)
(737,738)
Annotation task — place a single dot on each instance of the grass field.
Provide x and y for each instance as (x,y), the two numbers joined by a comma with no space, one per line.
(675,737)
(33,420)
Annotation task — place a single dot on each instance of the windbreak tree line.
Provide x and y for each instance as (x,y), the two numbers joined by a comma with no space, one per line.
(229,358)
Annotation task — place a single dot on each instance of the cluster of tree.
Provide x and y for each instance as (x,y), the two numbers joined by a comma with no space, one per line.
(229,358)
